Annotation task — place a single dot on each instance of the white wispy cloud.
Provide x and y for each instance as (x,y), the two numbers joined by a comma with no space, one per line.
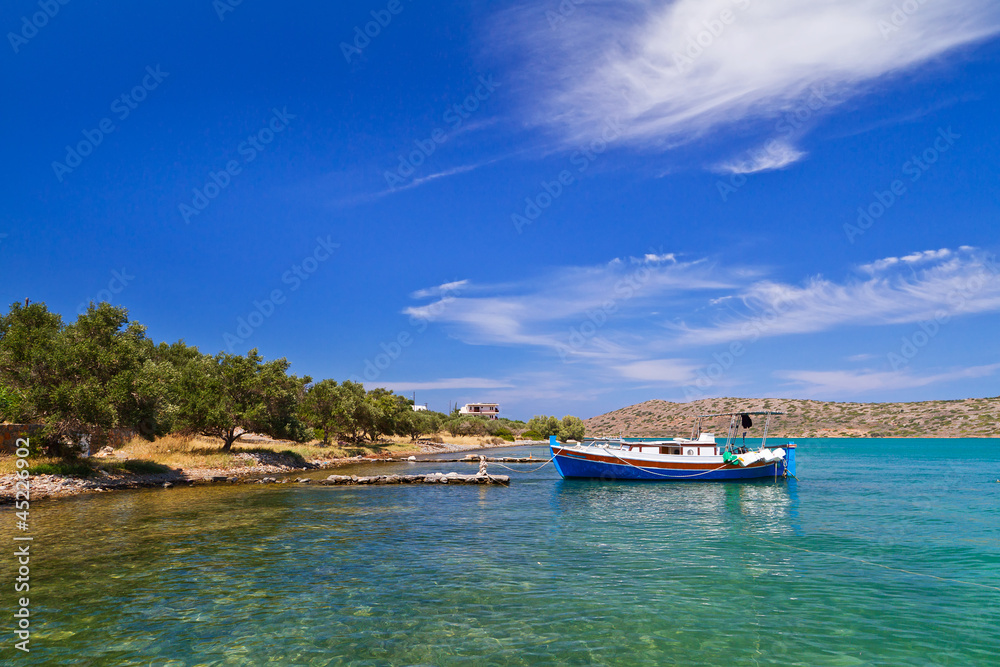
(604,320)
(771,156)
(553,310)
(912,259)
(672,71)
(335,182)
(440,290)
(444,173)
(670,371)
(445,383)
(846,382)
(914,288)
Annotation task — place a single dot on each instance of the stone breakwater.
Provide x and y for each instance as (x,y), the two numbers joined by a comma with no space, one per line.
(56,486)
(431,478)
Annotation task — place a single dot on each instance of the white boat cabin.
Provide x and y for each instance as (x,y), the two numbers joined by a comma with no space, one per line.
(705,445)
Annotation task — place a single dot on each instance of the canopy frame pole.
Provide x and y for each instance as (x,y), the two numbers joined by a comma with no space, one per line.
(729,434)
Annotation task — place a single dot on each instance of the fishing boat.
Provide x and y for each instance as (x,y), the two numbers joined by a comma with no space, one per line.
(697,458)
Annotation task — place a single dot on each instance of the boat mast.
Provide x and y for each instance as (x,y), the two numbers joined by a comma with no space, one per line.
(767,422)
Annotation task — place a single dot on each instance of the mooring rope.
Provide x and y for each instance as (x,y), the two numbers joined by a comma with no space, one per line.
(523,471)
(698,474)
(705,472)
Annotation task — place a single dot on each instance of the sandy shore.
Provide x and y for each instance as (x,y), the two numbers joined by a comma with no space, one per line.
(258,465)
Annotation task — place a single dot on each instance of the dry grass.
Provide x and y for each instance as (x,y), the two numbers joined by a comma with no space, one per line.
(198,452)
(193,453)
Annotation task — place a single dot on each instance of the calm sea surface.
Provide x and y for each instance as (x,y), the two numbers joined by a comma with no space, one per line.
(883,552)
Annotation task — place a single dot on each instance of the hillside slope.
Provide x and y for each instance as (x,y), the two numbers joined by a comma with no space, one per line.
(971,417)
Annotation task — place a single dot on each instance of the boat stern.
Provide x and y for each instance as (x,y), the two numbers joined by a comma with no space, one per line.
(790,459)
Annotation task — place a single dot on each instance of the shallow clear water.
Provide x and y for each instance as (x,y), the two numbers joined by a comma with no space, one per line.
(884,552)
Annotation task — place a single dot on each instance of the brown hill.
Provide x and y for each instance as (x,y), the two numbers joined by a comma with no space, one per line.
(965,418)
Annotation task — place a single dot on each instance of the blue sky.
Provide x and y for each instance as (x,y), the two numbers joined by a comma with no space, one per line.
(561,207)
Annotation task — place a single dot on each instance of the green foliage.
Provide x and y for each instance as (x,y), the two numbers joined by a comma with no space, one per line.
(568,428)
(84,378)
(498,430)
(226,395)
(346,411)
(102,372)
(543,425)
(571,428)
(73,468)
(9,403)
(134,466)
(470,425)
(513,425)
(325,408)
(416,424)
(381,413)
(91,467)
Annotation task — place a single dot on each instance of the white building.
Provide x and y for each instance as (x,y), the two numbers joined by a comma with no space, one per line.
(420,408)
(488,410)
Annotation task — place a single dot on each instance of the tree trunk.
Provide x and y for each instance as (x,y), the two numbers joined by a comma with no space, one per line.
(228,439)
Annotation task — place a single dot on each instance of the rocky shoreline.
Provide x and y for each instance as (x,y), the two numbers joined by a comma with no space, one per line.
(257,472)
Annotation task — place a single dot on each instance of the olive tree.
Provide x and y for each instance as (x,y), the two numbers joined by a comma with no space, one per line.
(228,395)
(335,409)
(545,426)
(85,378)
(571,428)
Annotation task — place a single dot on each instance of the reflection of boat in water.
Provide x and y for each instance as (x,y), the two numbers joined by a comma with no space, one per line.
(698,458)
(765,508)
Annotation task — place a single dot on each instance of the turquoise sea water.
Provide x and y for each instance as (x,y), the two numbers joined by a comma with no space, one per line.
(884,552)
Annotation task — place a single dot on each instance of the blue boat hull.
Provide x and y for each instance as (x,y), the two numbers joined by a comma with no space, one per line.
(580,467)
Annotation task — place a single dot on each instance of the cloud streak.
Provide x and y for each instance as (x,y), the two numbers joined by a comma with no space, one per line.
(674,71)
(849,383)
(446,383)
(896,290)
(543,312)
(774,155)
(609,317)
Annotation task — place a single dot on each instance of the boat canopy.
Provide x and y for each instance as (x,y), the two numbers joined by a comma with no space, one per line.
(737,420)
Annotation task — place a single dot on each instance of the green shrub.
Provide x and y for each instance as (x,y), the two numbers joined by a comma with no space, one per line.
(135,466)
(496,428)
(532,435)
(69,468)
